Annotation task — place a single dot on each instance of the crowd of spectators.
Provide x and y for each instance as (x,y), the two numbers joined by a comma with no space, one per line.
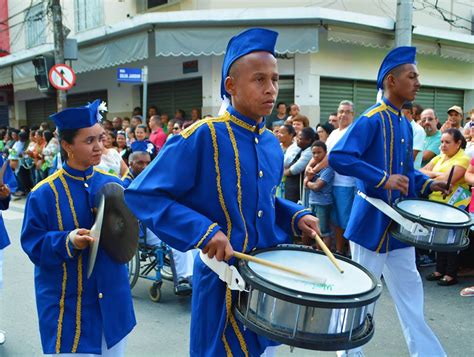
(33,153)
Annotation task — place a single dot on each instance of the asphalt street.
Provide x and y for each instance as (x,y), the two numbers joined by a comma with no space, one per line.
(163,328)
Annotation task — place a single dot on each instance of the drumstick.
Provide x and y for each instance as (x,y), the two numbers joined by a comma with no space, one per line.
(326,251)
(450,177)
(267,263)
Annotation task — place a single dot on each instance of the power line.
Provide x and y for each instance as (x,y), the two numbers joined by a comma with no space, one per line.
(21,22)
(5,22)
(439,12)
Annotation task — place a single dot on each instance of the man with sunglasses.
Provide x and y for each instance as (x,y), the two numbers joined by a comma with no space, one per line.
(213,187)
(430,123)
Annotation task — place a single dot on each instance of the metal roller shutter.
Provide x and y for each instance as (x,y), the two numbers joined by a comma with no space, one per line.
(363,95)
(4,121)
(78,100)
(440,99)
(425,97)
(445,99)
(286,92)
(332,91)
(170,96)
(39,110)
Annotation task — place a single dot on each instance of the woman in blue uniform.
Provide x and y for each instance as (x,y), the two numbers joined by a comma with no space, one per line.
(76,314)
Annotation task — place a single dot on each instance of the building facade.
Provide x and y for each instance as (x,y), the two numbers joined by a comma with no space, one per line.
(326,53)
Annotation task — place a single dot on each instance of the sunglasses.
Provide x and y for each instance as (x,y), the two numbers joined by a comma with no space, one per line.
(176,128)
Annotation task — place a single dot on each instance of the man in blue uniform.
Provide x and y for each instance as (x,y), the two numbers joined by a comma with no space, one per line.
(213,187)
(378,151)
(75,314)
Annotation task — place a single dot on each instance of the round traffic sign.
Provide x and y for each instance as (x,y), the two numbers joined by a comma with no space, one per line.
(62,77)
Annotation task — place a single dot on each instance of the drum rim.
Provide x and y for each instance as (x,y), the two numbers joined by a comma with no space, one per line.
(302,298)
(430,222)
(464,244)
(337,342)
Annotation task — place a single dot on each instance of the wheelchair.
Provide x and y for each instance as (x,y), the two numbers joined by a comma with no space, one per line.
(151,262)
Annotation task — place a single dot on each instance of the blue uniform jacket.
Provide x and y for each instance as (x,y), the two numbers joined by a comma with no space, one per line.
(218,174)
(377,145)
(128,178)
(10,180)
(73,311)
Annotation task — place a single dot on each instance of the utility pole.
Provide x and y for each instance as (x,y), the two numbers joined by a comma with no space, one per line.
(403,26)
(58,47)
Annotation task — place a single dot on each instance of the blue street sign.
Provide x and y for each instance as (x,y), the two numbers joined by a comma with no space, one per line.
(129,75)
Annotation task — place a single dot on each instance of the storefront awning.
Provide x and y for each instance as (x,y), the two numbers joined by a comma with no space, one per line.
(24,76)
(386,41)
(6,76)
(207,41)
(113,52)
(97,56)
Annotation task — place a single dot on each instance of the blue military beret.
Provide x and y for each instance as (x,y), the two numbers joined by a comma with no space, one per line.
(395,58)
(251,40)
(81,117)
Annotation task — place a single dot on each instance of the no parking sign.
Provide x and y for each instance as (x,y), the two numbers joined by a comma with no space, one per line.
(62,77)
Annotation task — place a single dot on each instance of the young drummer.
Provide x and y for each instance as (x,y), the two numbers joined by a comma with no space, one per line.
(213,187)
(378,150)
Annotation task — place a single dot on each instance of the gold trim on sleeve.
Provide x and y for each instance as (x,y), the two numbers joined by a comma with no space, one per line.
(293,220)
(209,230)
(383,180)
(67,247)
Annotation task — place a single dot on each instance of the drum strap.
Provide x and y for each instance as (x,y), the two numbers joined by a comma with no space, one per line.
(227,273)
(413,227)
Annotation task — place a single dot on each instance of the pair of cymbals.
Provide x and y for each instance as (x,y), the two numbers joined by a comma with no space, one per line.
(115,228)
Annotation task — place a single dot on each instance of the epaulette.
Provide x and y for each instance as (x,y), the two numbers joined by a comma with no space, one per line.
(105,172)
(371,112)
(47,180)
(186,133)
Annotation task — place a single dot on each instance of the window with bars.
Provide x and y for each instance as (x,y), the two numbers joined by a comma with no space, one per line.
(88,14)
(35,24)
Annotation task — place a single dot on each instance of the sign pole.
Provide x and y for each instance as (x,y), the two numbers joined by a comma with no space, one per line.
(58,48)
(145,91)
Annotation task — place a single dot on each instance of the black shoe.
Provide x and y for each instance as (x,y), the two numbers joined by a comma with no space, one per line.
(183,288)
(433,277)
(446,282)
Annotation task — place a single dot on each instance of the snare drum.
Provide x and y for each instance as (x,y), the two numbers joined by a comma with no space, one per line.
(447,226)
(333,316)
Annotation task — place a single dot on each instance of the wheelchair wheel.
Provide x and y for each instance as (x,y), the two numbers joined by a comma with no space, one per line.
(155,292)
(167,273)
(134,269)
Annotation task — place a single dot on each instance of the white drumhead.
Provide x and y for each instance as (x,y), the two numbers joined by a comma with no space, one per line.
(433,211)
(353,281)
